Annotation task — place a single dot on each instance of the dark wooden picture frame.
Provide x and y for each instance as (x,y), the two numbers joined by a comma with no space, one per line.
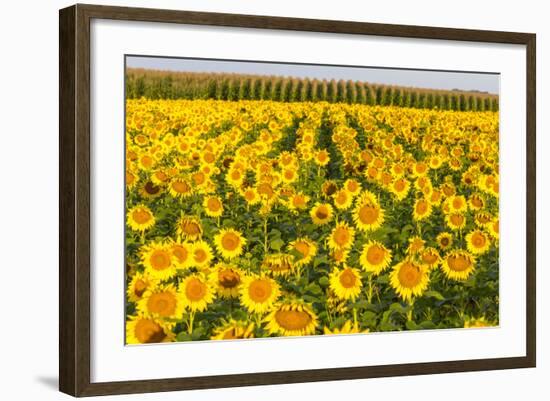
(74,199)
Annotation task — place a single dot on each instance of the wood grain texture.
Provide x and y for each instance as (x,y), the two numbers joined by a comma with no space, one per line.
(74,199)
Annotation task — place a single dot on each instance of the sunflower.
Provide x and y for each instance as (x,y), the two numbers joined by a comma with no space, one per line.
(229,243)
(201,254)
(258,293)
(322,157)
(292,319)
(347,328)
(444,240)
(341,236)
(482,219)
(478,242)
(400,188)
(232,330)
(180,188)
(213,206)
(455,221)
(305,249)
(375,257)
(456,204)
(321,213)
(150,191)
(298,201)
(416,244)
(422,209)
(458,264)
(251,196)
(430,257)
(346,283)
(235,177)
(196,292)
(146,330)
(226,279)
(493,228)
(158,261)
(182,253)
(476,202)
(368,215)
(409,279)
(328,188)
(189,227)
(342,199)
(352,186)
(471,322)
(279,264)
(140,218)
(162,301)
(138,285)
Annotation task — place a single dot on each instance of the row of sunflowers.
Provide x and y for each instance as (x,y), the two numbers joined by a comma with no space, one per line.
(253,219)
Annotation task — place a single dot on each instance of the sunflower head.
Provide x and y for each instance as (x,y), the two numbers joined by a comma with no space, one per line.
(375,257)
(444,240)
(213,206)
(233,329)
(226,280)
(292,318)
(259,293)
(341,236)
(141,329)
(279,264)
(140,218)
(158,260)
(458,264)
(409,279)
(304,250)
(161,302)
(346,283)
(196,292)
(189,228)
(321,213)
(229,243)
(478,242)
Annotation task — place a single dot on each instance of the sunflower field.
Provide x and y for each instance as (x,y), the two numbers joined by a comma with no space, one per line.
(258,218)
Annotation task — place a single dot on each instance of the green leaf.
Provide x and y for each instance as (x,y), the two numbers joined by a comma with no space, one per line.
(434,294)
(183,336)
(314,289)
(427,325)
(324,281)
(411,325)
(277,244)
(320,260)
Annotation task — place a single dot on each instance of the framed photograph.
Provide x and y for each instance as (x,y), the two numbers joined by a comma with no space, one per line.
(250,200)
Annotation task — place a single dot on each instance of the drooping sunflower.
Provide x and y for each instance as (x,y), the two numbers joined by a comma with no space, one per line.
(226,280)
(162,301)
(150,191)
(476,202)
(180,188)
(409,279)
(482,219)
(292,319)
(422,209)
(321,213)
(455,221)
(430,257)
(232,330)
(146,330)
(341,236)
(278,264)
(229,243)
(259,293)
(138,285)
(346,283)
(458,264)
(352,186)
(213,206)
(140,218)
(342,199)
(478,242)
(375,257)
(347,328)
(158,261)
(196,293)
(444,240)
(189,228)
(305,249)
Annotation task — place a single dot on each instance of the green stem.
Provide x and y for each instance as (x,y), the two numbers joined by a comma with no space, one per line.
(410,312)
(191,320)
(265,235)
(370,291)
(355,317)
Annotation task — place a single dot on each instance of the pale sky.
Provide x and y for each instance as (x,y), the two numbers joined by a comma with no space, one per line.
(481,81)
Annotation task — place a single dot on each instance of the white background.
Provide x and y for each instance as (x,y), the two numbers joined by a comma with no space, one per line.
(28,200)
(113,362)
